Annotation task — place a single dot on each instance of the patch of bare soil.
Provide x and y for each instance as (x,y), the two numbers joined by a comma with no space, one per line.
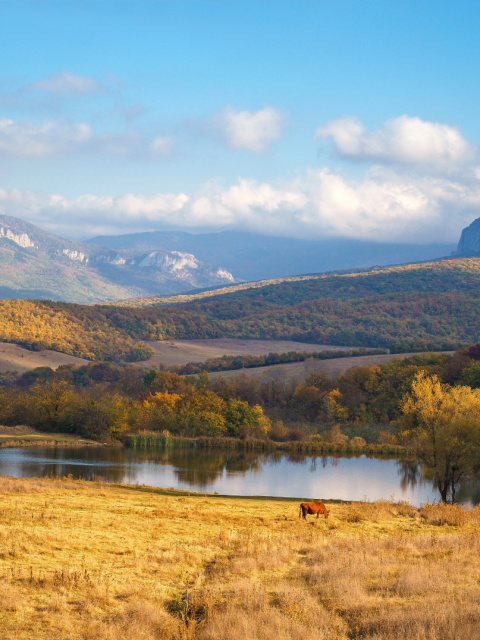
(16,358)
(181,352)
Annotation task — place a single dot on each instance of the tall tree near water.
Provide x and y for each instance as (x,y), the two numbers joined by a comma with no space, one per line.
(442,429)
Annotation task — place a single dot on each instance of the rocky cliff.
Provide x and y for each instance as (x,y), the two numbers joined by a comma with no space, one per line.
(469,243)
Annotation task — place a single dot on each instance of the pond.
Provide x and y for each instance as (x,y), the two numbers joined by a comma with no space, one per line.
(236,472)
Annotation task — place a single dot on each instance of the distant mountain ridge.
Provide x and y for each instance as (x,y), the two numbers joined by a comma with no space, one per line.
(38,264)
(254,257)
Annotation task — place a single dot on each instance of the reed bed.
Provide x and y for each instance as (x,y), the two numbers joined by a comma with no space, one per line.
(82,560)
(154,440)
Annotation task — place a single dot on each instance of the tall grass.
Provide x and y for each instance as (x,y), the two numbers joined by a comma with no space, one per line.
(82,561)
(153,440)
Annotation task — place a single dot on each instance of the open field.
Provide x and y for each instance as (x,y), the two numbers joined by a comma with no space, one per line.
(16,358)
(21,435)
(170,352)
(301,370)
(86,560)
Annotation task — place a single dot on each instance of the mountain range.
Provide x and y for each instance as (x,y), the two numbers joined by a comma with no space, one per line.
(38,264)
(255,257)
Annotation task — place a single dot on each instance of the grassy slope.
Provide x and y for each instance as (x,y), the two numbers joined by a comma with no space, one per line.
(20,436)
(15,358)
(182,352)
(82,560)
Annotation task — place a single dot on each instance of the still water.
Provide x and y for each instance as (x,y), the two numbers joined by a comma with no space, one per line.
(235,472)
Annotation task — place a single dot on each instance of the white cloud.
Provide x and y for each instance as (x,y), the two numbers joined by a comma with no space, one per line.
(251,130)
(162,146)
(66,82)
(402,140)
(383,206)
(26,139)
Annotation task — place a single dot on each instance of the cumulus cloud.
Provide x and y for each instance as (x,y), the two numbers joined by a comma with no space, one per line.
(66,82)
(27,139)
(384,206)
(251,130)
(402,140)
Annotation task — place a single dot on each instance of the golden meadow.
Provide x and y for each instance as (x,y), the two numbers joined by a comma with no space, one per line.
(82,560)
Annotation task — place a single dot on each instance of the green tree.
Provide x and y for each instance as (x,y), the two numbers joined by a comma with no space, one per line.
(245,421)
(442,428)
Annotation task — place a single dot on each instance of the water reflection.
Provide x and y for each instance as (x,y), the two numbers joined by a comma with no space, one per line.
(237,472)
(409,473)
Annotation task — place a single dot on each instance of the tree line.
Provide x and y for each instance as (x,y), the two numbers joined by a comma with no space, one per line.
(232,363)
(364,401)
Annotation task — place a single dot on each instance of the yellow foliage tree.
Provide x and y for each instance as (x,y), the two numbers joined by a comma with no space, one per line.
(336,409)
(442,429)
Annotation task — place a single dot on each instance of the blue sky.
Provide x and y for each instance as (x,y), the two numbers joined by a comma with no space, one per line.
(307,118)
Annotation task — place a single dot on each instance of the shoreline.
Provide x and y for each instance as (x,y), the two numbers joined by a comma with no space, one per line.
(153,441)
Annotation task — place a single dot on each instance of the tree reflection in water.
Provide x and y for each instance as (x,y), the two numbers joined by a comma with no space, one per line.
(469,492)
(411,473)
(89,463)
(203,467)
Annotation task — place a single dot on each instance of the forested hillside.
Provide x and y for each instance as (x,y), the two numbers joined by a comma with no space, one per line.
(456,274)
(433,305)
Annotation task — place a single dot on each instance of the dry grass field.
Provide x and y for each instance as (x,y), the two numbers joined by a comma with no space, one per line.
(83,561)
(16,358)
(300,370)
(21,435)
(170,352)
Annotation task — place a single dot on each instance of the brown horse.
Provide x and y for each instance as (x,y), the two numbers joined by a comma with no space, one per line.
(313,508)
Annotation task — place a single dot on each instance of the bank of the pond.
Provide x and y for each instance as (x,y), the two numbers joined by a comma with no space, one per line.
(313,446)
(13,437)
(20,436)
